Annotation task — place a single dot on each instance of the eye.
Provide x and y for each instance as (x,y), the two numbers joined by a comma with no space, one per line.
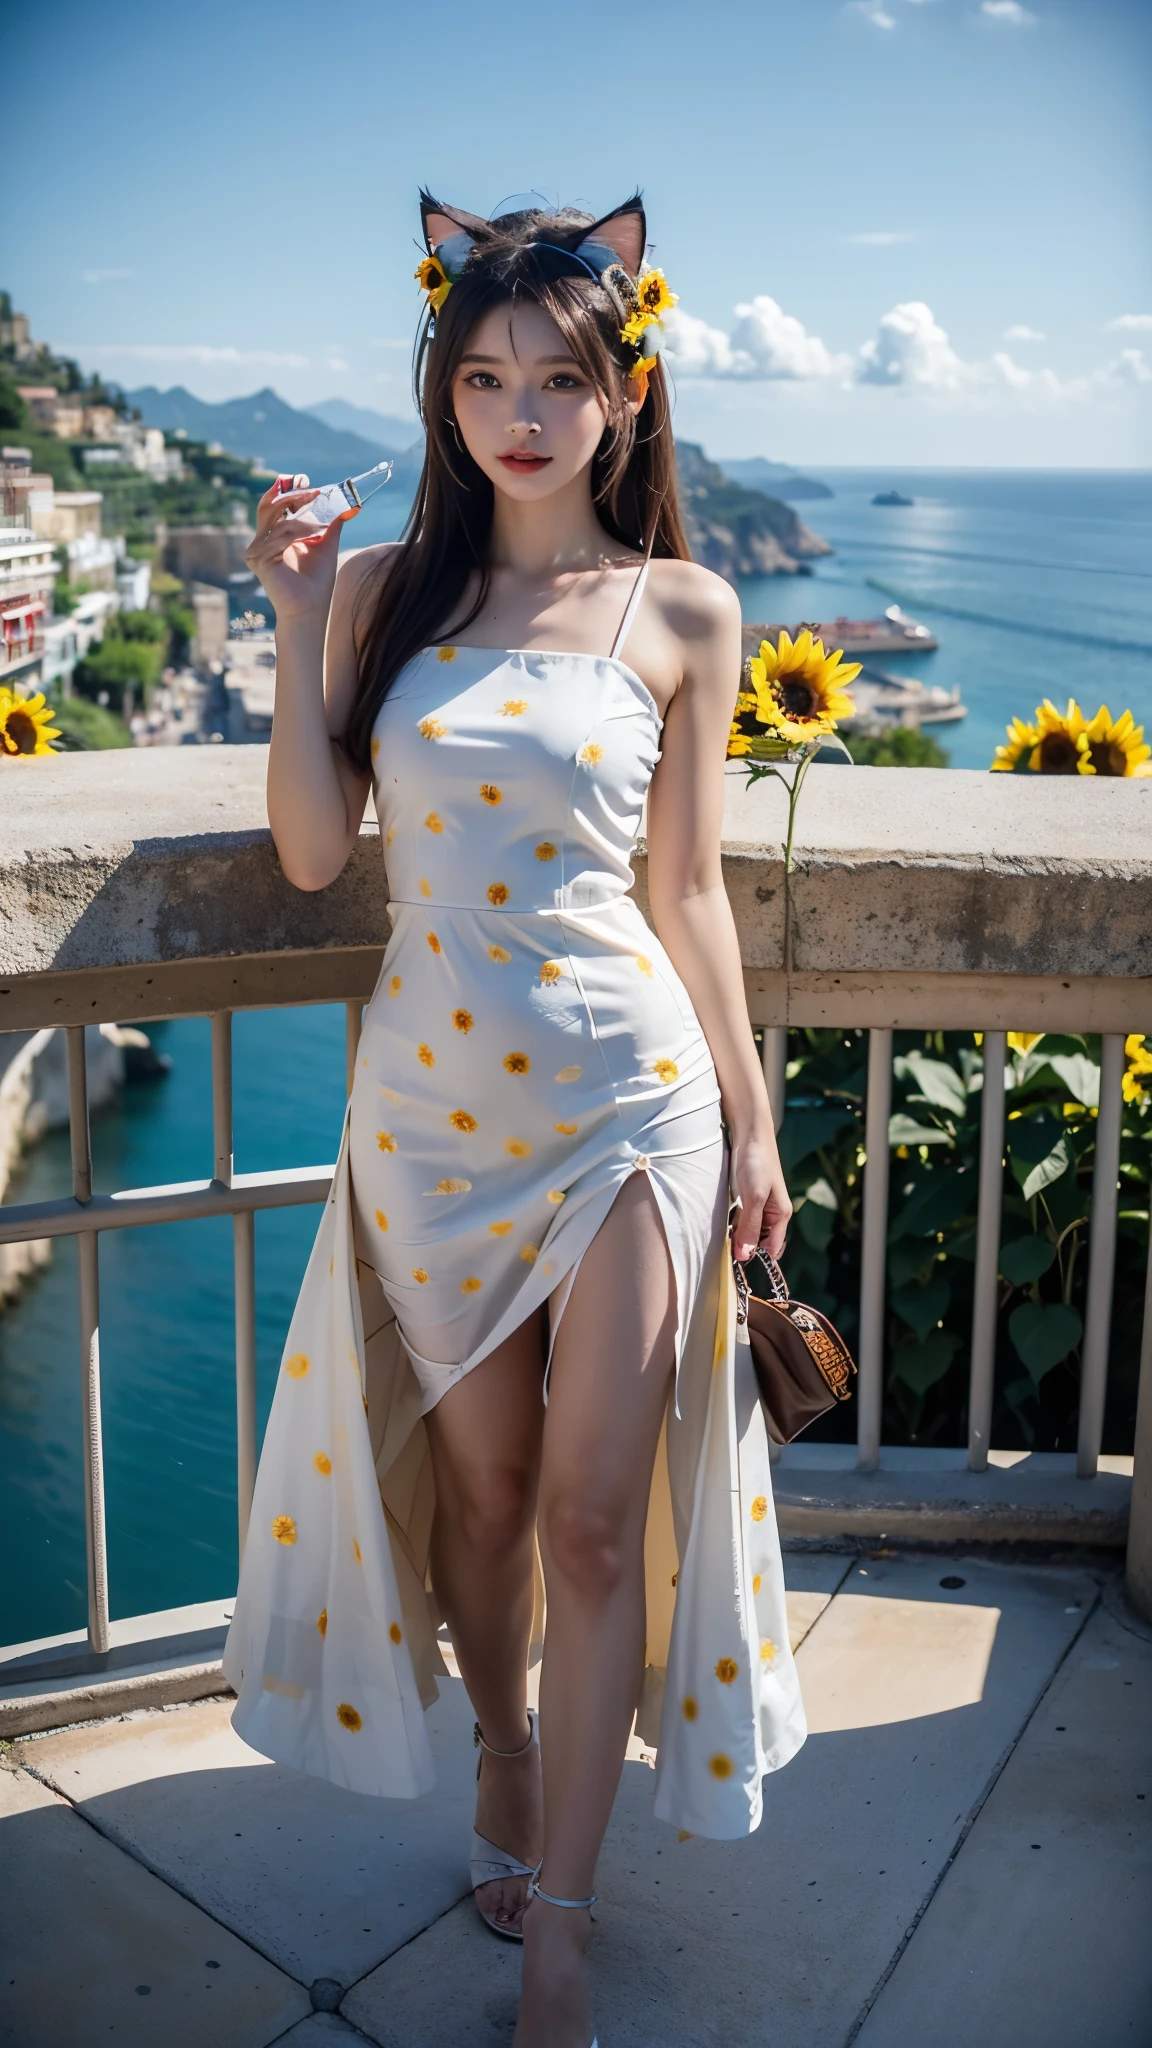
(563,381)
(482,380)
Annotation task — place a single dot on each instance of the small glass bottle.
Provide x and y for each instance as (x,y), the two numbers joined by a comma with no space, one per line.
(337,502)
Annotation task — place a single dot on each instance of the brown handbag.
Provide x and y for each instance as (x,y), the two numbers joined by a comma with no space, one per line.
(802,1364)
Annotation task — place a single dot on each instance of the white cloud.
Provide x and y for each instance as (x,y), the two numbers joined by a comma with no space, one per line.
(1009,11)
(102,276)
(875,12)
(1129,367)
(910,348)
(882,238)
(1130,323)
(190,352)
(1024,334)
(766,343)
(337,363)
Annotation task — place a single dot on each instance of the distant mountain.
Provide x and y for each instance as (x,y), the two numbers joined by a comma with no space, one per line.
(263,429)
(737,531)
(391,436)
(776,479)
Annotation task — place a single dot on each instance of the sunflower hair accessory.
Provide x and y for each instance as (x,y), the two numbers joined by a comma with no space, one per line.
(644,328)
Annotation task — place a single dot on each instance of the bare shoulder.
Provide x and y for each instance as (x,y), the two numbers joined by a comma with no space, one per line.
(697,605)
(358,566)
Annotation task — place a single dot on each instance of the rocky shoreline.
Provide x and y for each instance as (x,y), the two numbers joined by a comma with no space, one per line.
(737,531)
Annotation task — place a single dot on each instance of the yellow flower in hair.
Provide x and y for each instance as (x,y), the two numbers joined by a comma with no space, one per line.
(432,278)
(655,301)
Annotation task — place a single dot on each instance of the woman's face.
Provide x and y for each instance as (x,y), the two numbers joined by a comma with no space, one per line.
(527,413)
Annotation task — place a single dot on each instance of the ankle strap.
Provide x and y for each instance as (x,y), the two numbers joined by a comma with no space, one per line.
(572,1905)
(478,1741)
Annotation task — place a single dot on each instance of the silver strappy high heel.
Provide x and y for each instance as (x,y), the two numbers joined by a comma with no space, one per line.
(550,1899)
(488,1864)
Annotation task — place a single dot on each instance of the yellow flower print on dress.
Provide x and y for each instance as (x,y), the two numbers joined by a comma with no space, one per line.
(500,954)
(432,729)
(452,1187)
(386,1141)
(389,836)
(518,1148)
(721,1766)
(445,654)
(566,1130)
(501,1229)
(759,1508)
(546,850)
(323,1464)
(550,972)
(349,1718)
(666,1071)
(517,1062)
(419,1276)
(463,1020)
(555,1196)
(514,707)
(530,1253)
(497,893)
(433,823)
(757,1583)
(471,1285)
(425,887)
(689,1709)
(284,1530)
(590,755)
(434,942)
(396,1632)
(297,1366)
(490,793)
(322,1621)
(462,1120)
(727,1671)
(395,985)
(381,1220)
(768,1652)
(569,1073)
(425,1055)
(356,1551)
(644,964)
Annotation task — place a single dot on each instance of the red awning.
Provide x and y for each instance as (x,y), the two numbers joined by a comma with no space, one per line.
(23,611)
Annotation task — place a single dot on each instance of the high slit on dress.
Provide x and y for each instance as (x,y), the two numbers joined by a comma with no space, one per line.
(528,1047)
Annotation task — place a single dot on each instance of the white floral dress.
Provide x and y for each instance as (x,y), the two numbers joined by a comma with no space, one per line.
(528,1046)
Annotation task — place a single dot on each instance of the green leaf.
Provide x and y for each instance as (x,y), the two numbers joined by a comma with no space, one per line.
(904,1130)
(1039,1151)
(910,1260)
(1050,1169)
(1026,1258)
(1044,1333)
(939,1083)
(923,1307)
(921,1364)
(943,1195)
(803,1131)
(1080,1075)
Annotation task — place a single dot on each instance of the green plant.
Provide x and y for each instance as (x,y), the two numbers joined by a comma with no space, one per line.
(126,669)
(905,746)
(86,727)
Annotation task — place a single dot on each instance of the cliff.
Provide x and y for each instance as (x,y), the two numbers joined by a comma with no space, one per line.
(737,531)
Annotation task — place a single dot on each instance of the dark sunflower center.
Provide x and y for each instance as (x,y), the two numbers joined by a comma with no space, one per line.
(797,698)
(21,731)
(651,294)
(1106,758)
(1058,755)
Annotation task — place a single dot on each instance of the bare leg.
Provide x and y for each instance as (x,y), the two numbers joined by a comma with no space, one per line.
(610,1380)
(485,1442)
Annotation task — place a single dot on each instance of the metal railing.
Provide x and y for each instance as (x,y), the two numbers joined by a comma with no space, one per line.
(85,1216)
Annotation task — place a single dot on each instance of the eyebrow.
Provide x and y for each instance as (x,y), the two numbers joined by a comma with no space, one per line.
(472,357)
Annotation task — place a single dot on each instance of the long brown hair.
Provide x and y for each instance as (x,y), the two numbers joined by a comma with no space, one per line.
(447,536)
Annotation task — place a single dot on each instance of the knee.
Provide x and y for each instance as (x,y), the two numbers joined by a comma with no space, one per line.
(492,1511)
(585,1541)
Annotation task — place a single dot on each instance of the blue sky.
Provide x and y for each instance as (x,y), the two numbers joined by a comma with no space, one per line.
(934,213)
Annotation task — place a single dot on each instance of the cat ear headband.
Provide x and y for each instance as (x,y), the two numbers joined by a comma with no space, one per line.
(610,250)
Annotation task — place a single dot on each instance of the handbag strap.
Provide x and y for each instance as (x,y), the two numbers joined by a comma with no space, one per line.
(777,1285)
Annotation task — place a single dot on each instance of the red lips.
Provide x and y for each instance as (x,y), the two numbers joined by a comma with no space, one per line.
(525,465)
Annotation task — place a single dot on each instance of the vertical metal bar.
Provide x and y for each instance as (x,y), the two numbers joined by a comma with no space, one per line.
(244,1264)
(353,1015)
(88,1260)
(222,1095)
(874,1248)
(774,1059)
(1138,1570)
(1101,1255)
(989,1195)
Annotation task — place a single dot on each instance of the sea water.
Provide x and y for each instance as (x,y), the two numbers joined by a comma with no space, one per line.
(1037,584)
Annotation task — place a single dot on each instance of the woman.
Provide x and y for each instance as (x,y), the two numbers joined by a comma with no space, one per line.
(525,1255)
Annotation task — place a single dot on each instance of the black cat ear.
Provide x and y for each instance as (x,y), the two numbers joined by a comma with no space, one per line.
(624,231)
(441,222)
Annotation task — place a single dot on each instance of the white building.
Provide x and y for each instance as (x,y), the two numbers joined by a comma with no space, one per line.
(27,577)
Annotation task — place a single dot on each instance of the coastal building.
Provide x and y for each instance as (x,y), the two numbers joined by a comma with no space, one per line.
(27,576)
(208,554)
(15,333)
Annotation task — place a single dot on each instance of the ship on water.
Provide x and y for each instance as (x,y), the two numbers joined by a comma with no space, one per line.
(895,633)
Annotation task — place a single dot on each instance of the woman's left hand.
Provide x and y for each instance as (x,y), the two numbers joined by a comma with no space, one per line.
(761,1222)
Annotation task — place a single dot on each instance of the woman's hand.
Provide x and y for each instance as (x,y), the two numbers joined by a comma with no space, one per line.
(764,1211)
(295,563)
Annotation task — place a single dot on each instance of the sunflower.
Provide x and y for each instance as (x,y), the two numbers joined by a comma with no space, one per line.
(1139,1069)
(799,688)
(655,300)
(1016,753)
(1115,746)
(432,278)
(25,724)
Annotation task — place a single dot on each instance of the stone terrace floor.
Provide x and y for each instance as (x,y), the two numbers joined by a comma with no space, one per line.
(962,1854)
